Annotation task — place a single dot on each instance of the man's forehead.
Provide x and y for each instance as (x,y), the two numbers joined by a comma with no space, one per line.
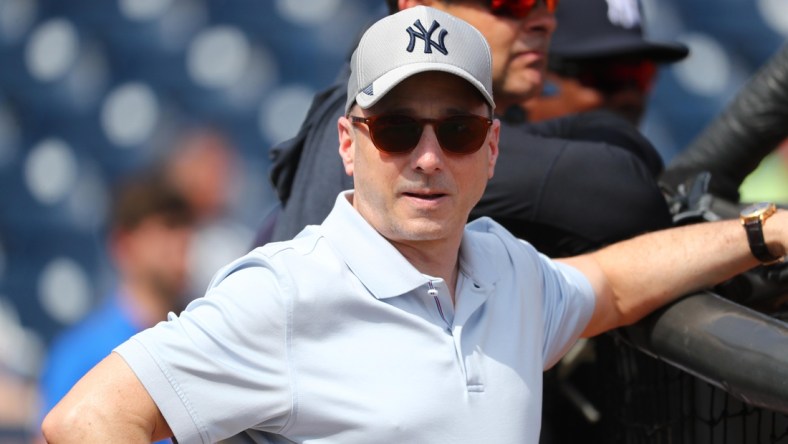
(433,87)
(434,84)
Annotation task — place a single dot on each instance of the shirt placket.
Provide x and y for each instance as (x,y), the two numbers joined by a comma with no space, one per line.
(468,360)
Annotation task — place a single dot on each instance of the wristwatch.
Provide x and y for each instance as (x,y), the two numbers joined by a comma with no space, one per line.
(752,218)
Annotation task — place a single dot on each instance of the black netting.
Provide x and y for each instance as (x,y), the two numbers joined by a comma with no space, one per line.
(643,400)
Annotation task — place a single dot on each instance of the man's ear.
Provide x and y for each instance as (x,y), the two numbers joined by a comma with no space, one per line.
(495,133)
(347,143)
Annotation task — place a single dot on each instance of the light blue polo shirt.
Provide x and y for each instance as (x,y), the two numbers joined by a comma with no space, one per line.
(334,337)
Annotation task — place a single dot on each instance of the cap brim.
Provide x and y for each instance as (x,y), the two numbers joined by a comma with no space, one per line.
(389,80)
(602,48)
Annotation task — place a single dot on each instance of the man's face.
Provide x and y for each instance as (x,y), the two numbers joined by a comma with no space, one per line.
(426,194)
(155,253)
(519,46)
(620,85)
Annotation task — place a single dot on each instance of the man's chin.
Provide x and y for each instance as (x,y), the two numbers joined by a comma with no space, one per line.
(171,292)
(521,89)
(420,231)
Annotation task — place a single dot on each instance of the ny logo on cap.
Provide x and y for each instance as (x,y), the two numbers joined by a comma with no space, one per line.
(425,35)
(623,13)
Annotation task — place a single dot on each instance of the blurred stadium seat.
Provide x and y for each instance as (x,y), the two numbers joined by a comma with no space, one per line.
(728,40)
(92,91)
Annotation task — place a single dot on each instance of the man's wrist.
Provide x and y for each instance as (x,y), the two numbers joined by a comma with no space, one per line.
(759,221)
(775,233)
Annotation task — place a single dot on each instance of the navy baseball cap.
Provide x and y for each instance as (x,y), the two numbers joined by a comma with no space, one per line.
(594,29)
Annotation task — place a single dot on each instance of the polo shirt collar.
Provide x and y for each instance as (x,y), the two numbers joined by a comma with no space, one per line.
(379,266)
(480,253)
(383,269)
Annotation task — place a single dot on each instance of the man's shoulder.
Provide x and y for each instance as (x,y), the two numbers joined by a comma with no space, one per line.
(589,130)
(486,235)
(485,225)
(303,244)
(490,251)
(306,244)
(277,263)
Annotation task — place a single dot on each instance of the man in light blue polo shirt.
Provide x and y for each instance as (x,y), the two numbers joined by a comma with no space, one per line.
(393,321)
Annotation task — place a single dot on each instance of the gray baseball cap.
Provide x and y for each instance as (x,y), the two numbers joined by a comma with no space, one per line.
(412,41)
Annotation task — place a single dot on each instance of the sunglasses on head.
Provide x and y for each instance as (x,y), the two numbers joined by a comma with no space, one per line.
(519,8)
(399,134)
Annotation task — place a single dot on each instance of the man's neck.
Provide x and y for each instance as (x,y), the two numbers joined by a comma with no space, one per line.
(438,259)
(145,307)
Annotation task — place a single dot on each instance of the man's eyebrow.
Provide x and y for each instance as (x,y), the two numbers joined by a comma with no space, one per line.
(410,110)
(462,110)
(400,110)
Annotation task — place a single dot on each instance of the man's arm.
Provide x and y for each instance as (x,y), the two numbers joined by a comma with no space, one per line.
(109,404)
(634,277)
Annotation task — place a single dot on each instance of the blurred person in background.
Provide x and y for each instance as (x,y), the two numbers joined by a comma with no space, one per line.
(200,168)
(150,230)
(202,165)
(600,62)
(600,59)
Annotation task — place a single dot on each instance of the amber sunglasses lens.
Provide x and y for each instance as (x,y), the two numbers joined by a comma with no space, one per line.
(395,134)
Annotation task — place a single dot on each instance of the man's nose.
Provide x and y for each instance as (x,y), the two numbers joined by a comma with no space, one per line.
(428,155)
(540,19)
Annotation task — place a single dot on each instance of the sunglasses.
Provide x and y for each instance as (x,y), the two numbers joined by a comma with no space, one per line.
(617,76)
(399,134)
(519,8)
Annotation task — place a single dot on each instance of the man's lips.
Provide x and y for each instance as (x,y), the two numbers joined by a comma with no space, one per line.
(531,56)
(424,195)
(535,48)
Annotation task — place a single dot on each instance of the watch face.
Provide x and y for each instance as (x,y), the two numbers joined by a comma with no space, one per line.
(756,209)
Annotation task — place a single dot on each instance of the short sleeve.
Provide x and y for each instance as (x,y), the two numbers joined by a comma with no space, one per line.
(568,306)
(220,367)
